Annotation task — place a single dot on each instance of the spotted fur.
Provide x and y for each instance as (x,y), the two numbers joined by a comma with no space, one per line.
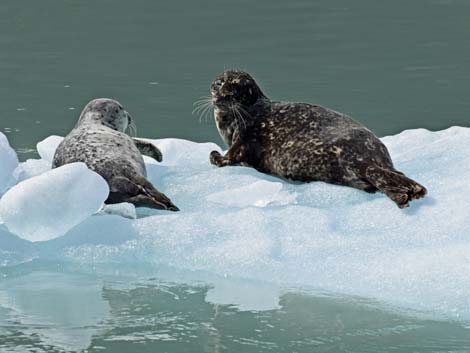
(99,141)
(302,142)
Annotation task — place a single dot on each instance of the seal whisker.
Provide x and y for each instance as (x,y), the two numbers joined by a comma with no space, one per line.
(240,119)
(132,129)
(205,97)
(243,110)
(235,108)
(202,104)
(199,103)
(234,113)
(202,108)
(198,110)
(207,111)
(203,100)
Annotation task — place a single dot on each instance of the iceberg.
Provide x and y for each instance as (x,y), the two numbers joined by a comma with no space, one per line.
(47,206)
(238,223)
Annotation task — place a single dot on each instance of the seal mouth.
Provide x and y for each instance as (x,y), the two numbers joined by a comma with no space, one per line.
(222,101)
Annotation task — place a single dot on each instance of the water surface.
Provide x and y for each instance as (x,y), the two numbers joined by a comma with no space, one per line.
(43,309)
(391,64)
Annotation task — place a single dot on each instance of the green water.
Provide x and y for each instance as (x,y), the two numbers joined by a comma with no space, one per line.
(391,64)
(57,309)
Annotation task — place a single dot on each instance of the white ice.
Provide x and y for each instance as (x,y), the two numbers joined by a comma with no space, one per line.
(46,148)
(8,163)
(258,194)
(47,206)
(124,209)
(31,168)
(318,236)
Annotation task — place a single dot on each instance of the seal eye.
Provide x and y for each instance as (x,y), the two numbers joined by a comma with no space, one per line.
(218,83)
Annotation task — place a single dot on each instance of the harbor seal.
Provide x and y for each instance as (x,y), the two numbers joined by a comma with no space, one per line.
(99,140)
(302,142)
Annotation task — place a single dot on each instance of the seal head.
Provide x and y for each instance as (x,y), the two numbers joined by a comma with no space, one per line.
(106,112)
(237,100)
(235,88)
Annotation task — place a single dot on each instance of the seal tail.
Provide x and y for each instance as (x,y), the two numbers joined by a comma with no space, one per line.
(396,185)
(140,192)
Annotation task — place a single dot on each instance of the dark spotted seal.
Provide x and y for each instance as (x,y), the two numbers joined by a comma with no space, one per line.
(98,140)
(302,142)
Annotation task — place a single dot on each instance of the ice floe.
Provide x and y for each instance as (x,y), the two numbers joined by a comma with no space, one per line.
(236,222)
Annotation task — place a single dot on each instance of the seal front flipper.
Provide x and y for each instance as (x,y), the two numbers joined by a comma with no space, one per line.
(234,156)
(148,149)
(138,191)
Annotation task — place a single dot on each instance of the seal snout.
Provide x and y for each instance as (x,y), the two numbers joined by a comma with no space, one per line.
(221,91)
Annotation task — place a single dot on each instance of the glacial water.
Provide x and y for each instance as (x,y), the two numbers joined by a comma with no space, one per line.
(48,307)
(287,268)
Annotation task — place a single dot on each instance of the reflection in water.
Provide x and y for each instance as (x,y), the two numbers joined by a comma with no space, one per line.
(57,309)
(52,311)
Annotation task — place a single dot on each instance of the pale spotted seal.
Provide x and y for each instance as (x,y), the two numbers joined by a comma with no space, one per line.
(302,142)
(99,140)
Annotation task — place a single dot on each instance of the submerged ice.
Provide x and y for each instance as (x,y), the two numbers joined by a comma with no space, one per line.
(237,222)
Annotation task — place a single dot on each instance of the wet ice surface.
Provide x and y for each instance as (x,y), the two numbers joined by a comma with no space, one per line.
(320,236)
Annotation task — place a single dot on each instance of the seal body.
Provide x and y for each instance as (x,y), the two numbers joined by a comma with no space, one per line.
(99,141)
(302,142)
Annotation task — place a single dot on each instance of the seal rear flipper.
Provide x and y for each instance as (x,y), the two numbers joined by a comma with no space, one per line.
(398,187)
(140,192)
